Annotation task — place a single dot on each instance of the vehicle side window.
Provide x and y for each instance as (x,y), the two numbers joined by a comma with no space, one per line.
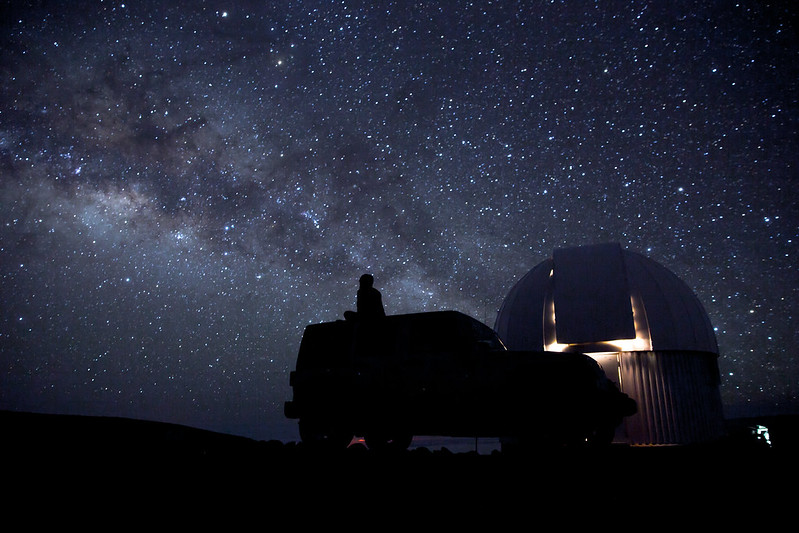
(485,335)
(425,337)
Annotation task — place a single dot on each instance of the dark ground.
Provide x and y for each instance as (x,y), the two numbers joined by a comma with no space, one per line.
(96,462)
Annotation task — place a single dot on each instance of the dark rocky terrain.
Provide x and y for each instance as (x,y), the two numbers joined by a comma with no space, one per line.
(90,459)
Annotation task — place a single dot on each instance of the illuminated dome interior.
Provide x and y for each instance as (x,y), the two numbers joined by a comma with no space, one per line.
(602,298)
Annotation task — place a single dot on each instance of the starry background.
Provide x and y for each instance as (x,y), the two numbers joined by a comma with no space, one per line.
(185,185)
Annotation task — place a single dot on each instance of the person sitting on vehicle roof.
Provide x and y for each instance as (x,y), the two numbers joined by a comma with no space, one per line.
(369,300)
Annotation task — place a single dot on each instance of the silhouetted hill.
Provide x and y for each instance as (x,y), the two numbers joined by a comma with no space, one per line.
(42,450)
(60,434)
(64,436)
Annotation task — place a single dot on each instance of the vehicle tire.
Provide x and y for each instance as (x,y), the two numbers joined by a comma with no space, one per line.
(317,436)
(384,443)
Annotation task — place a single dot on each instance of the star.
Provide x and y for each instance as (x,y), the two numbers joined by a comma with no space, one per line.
(185,188)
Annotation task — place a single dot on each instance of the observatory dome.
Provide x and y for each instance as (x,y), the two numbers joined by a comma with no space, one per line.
(641,323)
(602,298)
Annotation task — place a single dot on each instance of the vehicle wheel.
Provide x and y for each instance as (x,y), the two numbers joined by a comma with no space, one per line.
(380,442)
(315,435)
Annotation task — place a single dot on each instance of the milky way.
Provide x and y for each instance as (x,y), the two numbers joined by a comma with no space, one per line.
(185,187)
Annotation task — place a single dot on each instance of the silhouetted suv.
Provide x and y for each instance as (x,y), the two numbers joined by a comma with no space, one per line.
(444,373)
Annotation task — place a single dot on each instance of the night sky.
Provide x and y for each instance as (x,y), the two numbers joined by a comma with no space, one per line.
(185,185)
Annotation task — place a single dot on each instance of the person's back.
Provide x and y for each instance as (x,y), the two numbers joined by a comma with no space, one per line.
(370,301)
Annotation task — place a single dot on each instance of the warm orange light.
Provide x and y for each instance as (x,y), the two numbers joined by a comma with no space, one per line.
(641,342)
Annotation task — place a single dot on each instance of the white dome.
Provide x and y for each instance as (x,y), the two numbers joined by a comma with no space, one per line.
(602,298)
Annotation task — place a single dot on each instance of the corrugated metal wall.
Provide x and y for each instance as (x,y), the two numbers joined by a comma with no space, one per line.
(677,394)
